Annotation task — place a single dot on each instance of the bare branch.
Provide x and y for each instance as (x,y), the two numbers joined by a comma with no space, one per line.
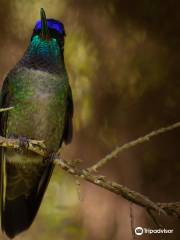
(33,145)
(114,187)
(39,147)
(131,144)
(172,209)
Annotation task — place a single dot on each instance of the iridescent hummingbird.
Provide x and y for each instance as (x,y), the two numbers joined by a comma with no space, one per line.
(38,89)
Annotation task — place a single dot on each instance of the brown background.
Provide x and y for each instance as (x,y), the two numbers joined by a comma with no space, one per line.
(122,59)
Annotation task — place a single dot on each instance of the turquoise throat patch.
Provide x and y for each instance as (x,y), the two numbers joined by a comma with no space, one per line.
(44,48)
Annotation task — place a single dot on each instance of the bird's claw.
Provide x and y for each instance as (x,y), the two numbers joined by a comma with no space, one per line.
(23,143)
(50,158)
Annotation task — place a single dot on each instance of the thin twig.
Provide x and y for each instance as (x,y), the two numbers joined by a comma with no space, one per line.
(6,109)
(153,218)
(172,208)
(132,220)
(131,144)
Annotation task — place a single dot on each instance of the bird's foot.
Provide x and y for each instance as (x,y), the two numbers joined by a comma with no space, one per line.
(50,158)
(11,135)
(23,143)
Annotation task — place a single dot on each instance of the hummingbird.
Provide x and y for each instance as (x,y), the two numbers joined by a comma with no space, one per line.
(39,91)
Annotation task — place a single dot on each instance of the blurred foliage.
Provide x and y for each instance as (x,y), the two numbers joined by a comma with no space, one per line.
(81,58)
(122,59)
(20,24)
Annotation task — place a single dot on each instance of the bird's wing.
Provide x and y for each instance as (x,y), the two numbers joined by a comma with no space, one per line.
(25,207)
(4,102)
(68,129)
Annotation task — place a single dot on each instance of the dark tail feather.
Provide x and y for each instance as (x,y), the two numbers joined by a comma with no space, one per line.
(15,217)
(19,213)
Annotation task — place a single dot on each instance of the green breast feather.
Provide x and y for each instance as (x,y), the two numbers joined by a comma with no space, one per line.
(39,106)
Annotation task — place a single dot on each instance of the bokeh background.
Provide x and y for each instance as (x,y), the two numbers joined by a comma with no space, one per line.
(123,62)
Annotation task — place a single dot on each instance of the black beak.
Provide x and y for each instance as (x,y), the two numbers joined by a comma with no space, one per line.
(44,31)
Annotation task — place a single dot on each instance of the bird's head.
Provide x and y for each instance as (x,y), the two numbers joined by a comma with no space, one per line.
(48,30)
